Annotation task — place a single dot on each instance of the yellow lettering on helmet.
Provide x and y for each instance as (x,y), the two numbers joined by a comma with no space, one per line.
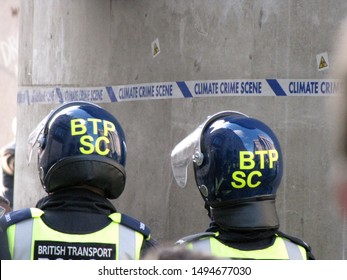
(273,156)
(246,157)
(250,177)
(247,162)
(241,180)
(236,177)
(88,147)
(90,142)
(97,145)
(262,158)
(78,127)
(108,126)
(95,124)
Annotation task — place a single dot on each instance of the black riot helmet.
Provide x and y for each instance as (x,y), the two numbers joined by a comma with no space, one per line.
(235,158)
(80,144)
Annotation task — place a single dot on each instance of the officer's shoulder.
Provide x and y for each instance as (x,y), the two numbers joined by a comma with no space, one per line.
(134,224)
(195,237)
(15,217)
(296,241)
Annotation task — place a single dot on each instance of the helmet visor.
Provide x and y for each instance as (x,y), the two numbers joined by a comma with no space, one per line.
(34,136)
(182,154)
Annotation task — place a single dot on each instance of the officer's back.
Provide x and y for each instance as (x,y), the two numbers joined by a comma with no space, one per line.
(238,168)
(81,164)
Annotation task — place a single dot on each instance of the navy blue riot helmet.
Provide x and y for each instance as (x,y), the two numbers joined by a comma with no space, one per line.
(79,144)
(235,157)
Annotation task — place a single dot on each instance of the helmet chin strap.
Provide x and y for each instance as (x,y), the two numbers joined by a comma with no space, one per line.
(251,214)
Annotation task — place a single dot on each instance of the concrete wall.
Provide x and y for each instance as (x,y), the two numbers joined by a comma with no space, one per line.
(9,13)
(97,43)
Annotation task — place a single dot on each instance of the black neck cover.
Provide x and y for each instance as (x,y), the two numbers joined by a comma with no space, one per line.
(253,214)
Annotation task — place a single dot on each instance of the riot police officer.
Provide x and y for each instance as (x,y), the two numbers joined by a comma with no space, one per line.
(81,164)
(238,167)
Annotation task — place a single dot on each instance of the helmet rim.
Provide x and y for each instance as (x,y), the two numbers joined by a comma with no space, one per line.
(93,170)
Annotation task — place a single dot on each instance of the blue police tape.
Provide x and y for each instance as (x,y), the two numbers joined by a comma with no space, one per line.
(111,94)
(275,86)
(180,89)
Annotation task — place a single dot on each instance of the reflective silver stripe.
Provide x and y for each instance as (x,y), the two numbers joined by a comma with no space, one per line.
(293,250)
(127,243)
(23,240)
(202,245)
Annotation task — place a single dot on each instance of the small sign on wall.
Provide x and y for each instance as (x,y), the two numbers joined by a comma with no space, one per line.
(155,48)
(322,61)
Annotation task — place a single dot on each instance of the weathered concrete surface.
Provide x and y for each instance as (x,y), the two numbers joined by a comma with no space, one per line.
(9,13)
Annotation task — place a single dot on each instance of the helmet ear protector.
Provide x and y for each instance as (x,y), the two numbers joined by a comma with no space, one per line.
(189,149)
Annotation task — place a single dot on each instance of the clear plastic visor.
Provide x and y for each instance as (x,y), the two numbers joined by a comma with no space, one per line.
(34,136)
(182,154)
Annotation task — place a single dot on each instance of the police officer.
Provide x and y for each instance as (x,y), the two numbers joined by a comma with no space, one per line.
(81,161)
(7,158)
(238,168)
